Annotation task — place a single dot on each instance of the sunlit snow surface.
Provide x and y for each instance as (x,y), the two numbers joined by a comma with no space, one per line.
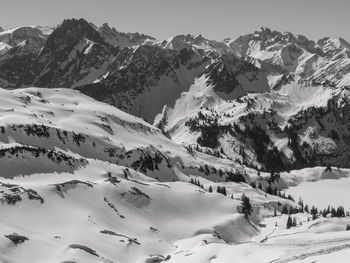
(94,209)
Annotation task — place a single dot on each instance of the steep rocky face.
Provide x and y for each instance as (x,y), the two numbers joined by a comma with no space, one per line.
(16,65)
(142,81)
(68,35)
(71,53)
(120,39)
(333,45)
(235,77)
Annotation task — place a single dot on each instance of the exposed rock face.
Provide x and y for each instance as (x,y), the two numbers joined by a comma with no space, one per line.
(120,39)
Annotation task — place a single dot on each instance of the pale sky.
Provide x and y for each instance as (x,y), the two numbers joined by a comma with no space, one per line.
(214,19)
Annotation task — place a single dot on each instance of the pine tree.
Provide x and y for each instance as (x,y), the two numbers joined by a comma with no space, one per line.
(294,222)
(306,208)
(347,227)
(289,222)
(340,211)
(269,190)
(275,191)
(285,209)
(224,190)
(210,189)
(246,207)
(324,213)
(291,210)
(333,212)
(275,213)
(314,212)
(301,203)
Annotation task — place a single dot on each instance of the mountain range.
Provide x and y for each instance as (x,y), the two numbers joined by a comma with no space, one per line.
(116,147)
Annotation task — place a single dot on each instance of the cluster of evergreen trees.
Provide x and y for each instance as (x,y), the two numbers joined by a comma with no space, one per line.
(314,212)
(291,222)
(198,183)
(208,125)
(219,189)
(339,212)
(270,189)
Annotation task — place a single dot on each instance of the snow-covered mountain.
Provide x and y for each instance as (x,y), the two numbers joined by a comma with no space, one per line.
(323,62)
(117,147)
(36,35)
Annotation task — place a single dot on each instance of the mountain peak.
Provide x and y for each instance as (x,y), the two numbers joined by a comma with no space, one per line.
(264,30)
(1,29)
(69,34)
(335,42)
(106,28)
(116,38)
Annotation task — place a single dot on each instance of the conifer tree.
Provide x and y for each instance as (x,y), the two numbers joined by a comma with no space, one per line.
(333,212)
(289,222)
(285,209)
(246,207)
(314,212)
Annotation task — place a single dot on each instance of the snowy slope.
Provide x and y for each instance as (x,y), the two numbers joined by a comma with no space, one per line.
(316,114)
(83,181)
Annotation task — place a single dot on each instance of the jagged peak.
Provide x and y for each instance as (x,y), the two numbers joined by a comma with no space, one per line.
(117,38)
(131,35)
(334,42)
(1,29)
(106,26)
(69,33)
(264,30)
(94,26)
(287,35)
